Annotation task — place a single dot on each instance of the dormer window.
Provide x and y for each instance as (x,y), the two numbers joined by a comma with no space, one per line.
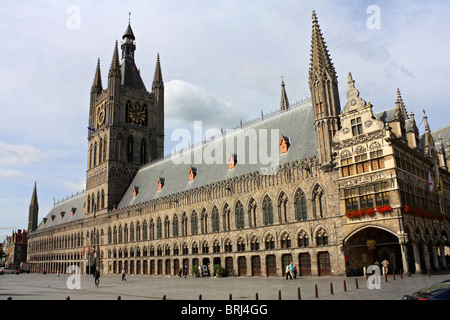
(72,212)
(61,215)
(192,173)
(357,126)
(284,144)
(44,220)
(52,218)
(135,191)
(232,160)
(160,183)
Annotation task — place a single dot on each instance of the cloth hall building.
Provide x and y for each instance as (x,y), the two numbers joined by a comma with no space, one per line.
(343,186)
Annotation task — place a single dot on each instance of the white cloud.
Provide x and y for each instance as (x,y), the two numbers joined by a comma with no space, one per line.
(20,155)
(11,174)
(186,102)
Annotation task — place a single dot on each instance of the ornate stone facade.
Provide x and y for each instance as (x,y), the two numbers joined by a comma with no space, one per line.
(347,187)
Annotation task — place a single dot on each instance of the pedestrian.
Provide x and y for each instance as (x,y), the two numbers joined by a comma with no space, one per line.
(385,264)
(97,278)
(295,271)
(288,274)
(200,271)
(185,271)
(180,272)
(123,275)
(291,270)
(57,273)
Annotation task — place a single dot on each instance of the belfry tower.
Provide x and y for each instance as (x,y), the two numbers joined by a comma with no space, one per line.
(126,127)
(323,86)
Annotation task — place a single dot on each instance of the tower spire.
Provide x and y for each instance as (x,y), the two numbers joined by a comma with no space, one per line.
(323,86)
(97,84)
(114,70)
(284,103)
(157,78)
(33,211)
(320,58)
(400,106)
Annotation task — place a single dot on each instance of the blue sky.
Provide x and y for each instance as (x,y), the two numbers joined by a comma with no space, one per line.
(222,61)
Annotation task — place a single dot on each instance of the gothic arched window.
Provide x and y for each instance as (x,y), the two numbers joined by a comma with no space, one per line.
(175,232)
(159,228)
(215,220)
(194,223)
(130,143)
(268,211)
(239,215)
(143,153)
(301,213)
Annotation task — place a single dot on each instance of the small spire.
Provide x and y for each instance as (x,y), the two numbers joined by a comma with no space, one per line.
(34,199)
(97,84)
(157,78)
(284,103)
(320,58)
(425,121)
(115,64)
(400,109)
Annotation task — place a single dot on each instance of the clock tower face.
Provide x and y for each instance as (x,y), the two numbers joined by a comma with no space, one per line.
(101,115)
(137,114)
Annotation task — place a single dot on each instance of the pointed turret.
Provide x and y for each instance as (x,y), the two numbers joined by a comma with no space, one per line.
(157,78)
(413,133)
(320,58)
(323,86)
(400,106)
(128,46)
(33,211)
(429,142)
(284,103)
(97,83)
(114,70)
(158,93)
(442,155)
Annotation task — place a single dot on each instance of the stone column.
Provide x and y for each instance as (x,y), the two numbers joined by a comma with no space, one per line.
(435,258)
(404,250)
(443,260)
(426,254)
(417,259)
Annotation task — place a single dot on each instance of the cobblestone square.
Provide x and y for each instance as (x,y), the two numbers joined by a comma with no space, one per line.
(52,287)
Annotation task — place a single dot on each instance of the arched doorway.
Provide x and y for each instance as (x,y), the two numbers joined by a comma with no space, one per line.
(371,245)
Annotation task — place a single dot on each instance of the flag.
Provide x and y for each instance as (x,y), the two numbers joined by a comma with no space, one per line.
(441,187)
(83,251)
(430,182)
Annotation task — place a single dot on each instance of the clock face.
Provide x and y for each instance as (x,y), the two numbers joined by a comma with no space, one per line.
(137,114)
(101,116)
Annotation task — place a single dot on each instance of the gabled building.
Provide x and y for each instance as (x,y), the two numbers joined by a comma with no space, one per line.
(333,190)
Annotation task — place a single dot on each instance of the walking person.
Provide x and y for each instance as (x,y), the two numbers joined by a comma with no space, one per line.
(123,275)
(385,265)
(291,270)
(185,271)
(288,274)
(97,278)
(295,271)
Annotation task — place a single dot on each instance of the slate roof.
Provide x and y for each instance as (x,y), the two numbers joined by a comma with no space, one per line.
(131,76)
(66,206)
(296,123)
